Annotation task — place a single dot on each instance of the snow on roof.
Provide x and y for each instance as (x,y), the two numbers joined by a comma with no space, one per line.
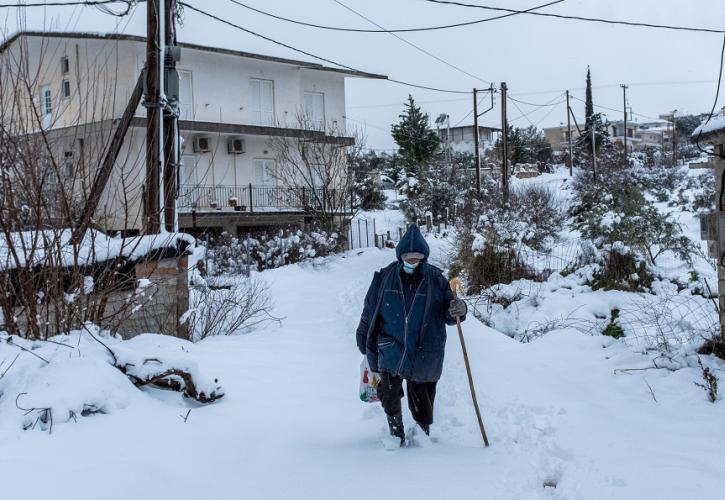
(709,129)
(31,247)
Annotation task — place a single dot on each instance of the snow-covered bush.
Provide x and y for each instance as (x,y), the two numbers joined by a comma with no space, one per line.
(227,309)
(496,240)
(229,254)
(617,217)
(45,383)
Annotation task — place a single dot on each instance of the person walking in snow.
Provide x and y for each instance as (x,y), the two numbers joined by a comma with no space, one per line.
(402,331)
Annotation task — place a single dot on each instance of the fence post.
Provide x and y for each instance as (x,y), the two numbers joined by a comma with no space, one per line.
(251,197)
(246,251)
(367,234)
(359,238)
(388,233)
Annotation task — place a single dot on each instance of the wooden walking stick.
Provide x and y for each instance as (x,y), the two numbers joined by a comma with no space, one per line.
(457,286)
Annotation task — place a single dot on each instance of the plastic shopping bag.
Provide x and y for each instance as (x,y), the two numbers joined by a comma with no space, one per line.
(369,382)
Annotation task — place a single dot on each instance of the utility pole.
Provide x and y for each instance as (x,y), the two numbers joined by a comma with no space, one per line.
(568,133)
(171,118)
(154,125)
(624,102)
(504,144)
(475,140)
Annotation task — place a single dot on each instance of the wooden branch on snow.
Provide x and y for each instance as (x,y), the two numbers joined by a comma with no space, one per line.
(174,379)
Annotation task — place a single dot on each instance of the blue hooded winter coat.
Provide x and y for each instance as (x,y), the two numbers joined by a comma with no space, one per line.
(407,342)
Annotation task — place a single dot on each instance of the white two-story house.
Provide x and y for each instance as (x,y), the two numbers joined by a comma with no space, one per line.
(231,103)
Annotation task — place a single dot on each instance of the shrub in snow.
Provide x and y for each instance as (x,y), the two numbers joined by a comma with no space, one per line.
(227,310)
(229,254)
(87,372)
(497,242)
(614,213)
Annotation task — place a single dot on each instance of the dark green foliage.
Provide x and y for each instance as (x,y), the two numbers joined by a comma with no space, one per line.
(593,123)
(613,329)
(418,143)
(685,125)
(526,145)
(366,169)
(615,211)
(621,271)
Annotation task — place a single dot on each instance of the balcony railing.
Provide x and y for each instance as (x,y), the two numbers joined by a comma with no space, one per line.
(252,198)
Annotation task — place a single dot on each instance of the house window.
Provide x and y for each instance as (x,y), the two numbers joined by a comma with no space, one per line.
(46,101)
(64,65)
(186,95)
(262,101)
(66,88)
(265,172)
(314,109)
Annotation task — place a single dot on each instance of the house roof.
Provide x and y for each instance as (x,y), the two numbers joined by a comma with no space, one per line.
(470,125)
(709,130)
(238,53)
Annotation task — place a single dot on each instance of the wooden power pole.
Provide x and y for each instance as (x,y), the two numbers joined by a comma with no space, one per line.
(568,134)
(170,118)
(504,146)
(476,147)
(624,108)
(154,124)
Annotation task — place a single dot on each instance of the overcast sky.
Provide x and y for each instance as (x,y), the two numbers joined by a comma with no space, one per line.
(538,57)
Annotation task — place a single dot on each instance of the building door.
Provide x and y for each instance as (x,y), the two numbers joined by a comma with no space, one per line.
(186,96)
(265,181)
(314,108)
(262,101)
(189,192)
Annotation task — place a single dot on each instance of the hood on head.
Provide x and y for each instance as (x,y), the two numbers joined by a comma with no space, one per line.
(412,241)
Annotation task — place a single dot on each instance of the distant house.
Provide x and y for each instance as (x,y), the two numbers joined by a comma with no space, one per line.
(461,139)
(231,103)
(558,137)
(617,134)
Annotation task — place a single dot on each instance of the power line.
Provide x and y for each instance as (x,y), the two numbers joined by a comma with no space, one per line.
(418,48)
(96,3)
(538,106)
(613,109)
(534,104)
(309,54)
(712,111)
(383,30)
(579,18)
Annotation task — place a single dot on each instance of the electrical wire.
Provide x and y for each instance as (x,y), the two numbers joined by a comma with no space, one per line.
(712,111)
(383,30)
(534,104)
(579,18)
(96,3)
(309,54)
(417,47)
(613,109)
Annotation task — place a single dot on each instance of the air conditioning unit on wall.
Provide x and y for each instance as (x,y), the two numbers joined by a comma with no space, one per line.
(235,146)
(201,144)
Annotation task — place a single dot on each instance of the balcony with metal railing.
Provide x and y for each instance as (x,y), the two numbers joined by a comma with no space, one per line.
(252,198)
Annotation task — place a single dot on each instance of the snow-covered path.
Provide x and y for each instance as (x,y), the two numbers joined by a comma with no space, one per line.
(291,426)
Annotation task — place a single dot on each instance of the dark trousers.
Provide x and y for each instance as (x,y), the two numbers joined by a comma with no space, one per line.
(420,397)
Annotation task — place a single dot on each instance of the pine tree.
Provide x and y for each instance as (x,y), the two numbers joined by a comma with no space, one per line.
(416,141)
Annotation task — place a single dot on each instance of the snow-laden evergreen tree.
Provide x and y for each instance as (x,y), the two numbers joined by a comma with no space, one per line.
(593,122)
(418,143)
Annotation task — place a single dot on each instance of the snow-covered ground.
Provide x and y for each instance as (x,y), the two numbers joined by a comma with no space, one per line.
(566,409)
